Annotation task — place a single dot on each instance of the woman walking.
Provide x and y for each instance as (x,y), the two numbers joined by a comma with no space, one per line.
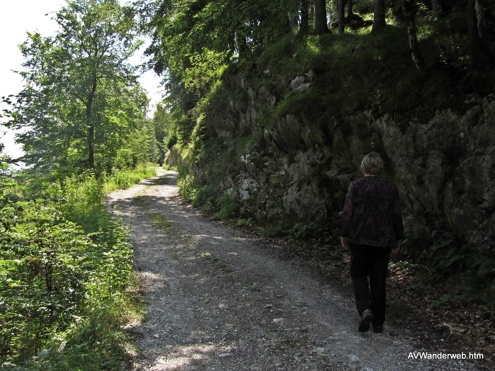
(371,228)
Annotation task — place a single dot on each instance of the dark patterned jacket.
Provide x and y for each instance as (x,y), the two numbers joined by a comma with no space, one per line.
(372,214)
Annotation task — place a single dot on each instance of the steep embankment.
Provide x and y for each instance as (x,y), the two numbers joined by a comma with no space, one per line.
(278,141)
(296,168)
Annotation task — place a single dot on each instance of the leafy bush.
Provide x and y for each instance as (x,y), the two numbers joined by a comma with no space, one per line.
(172,140)
(229,205)
(125,159)
(468,272)
(187,185)
(204,199)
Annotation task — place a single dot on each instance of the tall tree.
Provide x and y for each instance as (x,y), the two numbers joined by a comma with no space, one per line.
(321,24)
(409,12)
(481,16)
(341,9)
(379,16)
(73,80)
(304,28)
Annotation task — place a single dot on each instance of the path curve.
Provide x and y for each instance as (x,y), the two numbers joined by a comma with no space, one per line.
(218,300)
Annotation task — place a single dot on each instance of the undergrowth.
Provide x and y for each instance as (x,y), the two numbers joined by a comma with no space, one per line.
(65,274)
(463,271)
(125,178)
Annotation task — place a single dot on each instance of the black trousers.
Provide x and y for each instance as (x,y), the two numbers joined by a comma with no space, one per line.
(372,262)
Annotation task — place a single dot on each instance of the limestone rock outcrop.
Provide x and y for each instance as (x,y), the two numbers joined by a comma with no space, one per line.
(444,167)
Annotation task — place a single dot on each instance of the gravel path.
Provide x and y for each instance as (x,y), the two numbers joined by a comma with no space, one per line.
(220,300)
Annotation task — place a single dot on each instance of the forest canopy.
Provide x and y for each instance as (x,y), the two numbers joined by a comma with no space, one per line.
(193,42)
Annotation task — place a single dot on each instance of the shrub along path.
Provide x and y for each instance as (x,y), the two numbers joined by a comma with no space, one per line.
(219,299)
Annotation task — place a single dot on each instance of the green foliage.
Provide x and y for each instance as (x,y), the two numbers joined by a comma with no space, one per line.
(122,179)
(207,67)
(291,55)
(187,185)
(296,104)
(125,159)
(81,101)
(194,41)
(468,272)
(164,130)
(65,265)
(209,197)
(181,29)
(204,199)
(229,205)
(142,146)
(172,140)
(169,167)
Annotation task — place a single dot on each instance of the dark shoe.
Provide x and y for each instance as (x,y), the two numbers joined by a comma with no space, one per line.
(377,329)
(366,319)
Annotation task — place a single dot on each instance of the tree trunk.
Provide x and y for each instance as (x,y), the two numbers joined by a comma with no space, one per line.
(409,12)
(293,23)
(350,13)
(304,28)
(91,128)
(232,45)
(436,6)
(321,24)
(485,23)
(285,26)
(379,16)
(311,14)
(341,9)
(91,153)
(474,37)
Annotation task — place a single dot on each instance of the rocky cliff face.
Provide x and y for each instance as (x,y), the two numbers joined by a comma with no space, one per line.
(301,167)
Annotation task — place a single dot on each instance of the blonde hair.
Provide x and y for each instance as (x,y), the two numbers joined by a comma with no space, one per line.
(372,164)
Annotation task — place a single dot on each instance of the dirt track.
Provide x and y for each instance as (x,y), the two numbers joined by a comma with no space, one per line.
(220,300)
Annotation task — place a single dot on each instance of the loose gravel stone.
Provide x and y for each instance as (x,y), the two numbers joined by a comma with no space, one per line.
(353,358)
(217,299)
